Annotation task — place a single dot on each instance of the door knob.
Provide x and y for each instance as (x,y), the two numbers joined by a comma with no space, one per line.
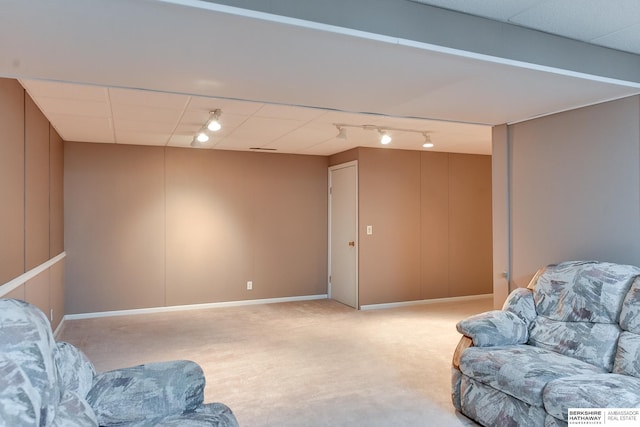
(352,243)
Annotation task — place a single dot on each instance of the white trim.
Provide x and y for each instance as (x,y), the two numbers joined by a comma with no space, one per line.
(58,329)
(190,307)
(425,302)
(25,277)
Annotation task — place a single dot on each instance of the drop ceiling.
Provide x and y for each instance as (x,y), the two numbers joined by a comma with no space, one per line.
(148,72)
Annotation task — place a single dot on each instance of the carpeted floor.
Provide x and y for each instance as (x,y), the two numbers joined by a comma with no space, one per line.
(314,363)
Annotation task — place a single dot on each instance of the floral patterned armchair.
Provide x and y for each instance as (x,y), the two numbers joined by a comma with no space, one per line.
(48,383)
(571,339)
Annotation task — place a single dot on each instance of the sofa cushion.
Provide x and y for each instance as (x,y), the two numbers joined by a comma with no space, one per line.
(494,328)
(26,339)
(520,302)
(522,371)
(19,400)
(627,360)
(583,291)
(593,343)
(630,313)
(141,393)
(75,370)
(591,391)
(74,411)
(491,407)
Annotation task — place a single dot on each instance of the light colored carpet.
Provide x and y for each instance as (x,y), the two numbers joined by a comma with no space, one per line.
(314,363)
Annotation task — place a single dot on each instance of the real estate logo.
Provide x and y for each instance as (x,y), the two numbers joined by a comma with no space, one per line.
(618,417)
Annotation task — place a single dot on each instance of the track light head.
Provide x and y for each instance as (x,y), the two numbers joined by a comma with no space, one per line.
(427,141)
(342,132)
(202,136)
(195,143)
(214,121)
(384,137)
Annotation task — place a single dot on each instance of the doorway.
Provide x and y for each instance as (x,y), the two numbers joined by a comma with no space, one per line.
(343,233)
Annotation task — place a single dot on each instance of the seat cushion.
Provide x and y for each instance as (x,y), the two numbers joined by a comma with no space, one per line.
(591,391)
(594,343)
(521,371)
(491,407)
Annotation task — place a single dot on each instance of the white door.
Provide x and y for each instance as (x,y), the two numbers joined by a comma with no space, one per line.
(343,233)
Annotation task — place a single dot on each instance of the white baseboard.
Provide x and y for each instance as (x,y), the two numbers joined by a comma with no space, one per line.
(424,301)
(189,307)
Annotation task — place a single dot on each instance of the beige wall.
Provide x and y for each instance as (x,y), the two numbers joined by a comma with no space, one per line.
(431,218)
(574,188)
(11,180)
(31,201)
(154,226)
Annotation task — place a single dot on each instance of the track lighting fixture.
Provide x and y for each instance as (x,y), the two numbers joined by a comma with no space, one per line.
(427,141)
(211,125)
(202,136)
(385,138)
(214,121)
(342,132)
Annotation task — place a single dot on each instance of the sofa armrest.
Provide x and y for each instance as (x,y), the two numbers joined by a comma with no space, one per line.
(464,343)
(494,328)
(521,302)
(147,391)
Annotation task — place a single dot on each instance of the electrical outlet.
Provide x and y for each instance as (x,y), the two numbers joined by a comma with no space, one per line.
(249,285)
(369,230)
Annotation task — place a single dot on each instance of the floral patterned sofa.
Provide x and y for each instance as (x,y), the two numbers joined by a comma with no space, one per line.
(48,383)
(571,339)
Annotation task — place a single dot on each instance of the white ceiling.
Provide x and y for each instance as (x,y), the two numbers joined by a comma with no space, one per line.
(615,25)
(125,116)
(149,71)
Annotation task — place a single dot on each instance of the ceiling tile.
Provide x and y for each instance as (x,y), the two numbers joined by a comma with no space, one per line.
(144,126)
(584,21)
(228,106)
(83,129)
(77,107)
(626,39)
(262,131)
(39,88)
(145,98)
(141,138)
(290,112)
(495,9)
(146,113)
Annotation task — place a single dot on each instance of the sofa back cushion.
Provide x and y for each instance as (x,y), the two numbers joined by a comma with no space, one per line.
(628,355)
(594,343)
(583,291)
(579,305)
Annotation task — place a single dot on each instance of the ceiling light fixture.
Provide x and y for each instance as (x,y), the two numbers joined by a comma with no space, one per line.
(342,132)
(427,141)
(385,138)
(211,125)
(214,121)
